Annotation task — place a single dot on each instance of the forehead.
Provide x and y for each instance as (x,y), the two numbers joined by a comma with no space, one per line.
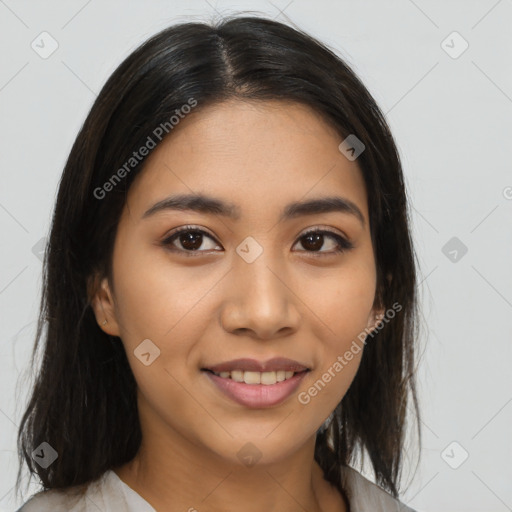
(256,155)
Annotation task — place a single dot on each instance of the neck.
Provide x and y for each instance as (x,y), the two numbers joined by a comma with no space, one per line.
(173,474)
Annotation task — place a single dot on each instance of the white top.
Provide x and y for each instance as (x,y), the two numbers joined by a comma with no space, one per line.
(111,494)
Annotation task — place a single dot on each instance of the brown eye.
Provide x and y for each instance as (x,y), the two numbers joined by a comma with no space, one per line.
(189,240)
(314,240)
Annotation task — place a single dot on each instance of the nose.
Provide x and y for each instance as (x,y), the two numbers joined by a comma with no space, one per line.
(261,302)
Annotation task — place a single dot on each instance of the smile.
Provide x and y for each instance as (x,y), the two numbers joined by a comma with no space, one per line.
(249,377)
(257,389)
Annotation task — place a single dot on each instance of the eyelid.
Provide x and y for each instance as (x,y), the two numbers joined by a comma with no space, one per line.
(323,228)
(189,227)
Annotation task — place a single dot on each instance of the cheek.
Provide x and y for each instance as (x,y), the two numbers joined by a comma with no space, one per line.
(154,296)
(343,307)
(160,302)
(343,301)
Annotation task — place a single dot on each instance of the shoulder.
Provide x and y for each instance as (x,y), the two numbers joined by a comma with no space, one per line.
(364,495)
(106,493)
(56,500)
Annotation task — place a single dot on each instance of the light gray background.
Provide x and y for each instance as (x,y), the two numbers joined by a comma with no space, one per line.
(451,118)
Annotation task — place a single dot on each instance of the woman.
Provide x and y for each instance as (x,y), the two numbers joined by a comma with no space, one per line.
(229,287)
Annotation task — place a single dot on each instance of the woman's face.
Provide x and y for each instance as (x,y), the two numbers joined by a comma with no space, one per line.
(252,284)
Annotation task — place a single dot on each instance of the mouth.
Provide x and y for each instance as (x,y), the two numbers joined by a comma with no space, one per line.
(256,390)
(253,378)
(276,364)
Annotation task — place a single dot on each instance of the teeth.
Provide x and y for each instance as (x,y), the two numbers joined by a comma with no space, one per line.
(252,377)
(266,378)
(237,375)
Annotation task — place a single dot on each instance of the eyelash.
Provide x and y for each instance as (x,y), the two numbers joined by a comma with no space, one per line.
(342,243)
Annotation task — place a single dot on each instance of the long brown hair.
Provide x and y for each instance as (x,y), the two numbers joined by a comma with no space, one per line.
(83,402)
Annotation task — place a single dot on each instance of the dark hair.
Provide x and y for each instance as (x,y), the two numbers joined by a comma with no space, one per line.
(83,401)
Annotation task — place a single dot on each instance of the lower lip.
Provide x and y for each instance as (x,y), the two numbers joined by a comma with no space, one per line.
(257,396)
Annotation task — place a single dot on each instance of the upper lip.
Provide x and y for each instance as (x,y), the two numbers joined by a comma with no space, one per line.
(252,365)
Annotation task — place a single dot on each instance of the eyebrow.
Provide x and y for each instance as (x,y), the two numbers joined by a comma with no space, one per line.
(213,206)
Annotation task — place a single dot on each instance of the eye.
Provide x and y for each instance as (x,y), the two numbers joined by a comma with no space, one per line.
(190,238)
(314,239)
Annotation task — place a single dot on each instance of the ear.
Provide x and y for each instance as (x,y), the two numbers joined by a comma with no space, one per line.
(378,310)
(374,318)
(103,305)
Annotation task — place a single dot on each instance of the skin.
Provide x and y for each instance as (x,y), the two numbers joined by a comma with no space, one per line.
(213,307)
